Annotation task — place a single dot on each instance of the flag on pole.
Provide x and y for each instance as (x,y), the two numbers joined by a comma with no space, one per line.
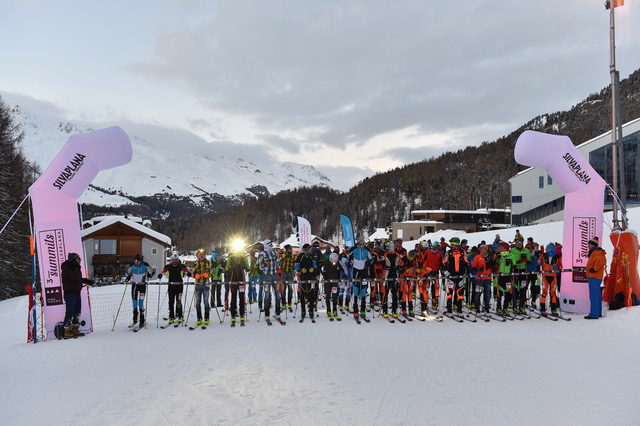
(304,231)
(347,231)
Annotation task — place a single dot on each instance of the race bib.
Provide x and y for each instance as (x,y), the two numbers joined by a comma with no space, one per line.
(241,289)
(478,289)
(334,290)
(141,296)
(508,286)
(449,284)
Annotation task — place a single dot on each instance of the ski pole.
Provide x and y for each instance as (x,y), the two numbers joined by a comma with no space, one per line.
(190,305)
(297,299)
(119,306)
(158,311)
(215,305)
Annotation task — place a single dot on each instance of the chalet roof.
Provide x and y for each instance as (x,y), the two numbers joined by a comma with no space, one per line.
(380,234)
(109,221)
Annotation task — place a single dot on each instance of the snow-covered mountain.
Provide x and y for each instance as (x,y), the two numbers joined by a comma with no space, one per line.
(168,161)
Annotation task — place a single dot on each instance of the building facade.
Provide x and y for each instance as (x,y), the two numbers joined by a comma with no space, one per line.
(111,242)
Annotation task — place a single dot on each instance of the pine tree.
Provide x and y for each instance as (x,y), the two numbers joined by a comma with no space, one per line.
(15,270)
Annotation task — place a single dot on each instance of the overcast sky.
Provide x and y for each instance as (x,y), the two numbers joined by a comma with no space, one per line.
(352,87)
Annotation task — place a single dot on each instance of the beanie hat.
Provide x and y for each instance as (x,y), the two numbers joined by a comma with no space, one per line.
(139,257)
(72,256)
(594,241)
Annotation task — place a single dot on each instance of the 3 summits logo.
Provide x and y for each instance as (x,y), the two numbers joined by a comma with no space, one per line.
(576,168)
(70,171)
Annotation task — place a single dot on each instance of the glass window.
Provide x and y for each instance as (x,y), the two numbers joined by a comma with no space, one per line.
(105,246)
(541,182)
(154,251)
(549,180)
(516,198)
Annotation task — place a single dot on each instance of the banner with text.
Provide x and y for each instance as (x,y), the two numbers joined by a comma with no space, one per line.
(304,231)
(347,231)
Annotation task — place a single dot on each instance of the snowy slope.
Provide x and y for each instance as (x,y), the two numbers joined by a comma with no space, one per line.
(528,372)
(167,161)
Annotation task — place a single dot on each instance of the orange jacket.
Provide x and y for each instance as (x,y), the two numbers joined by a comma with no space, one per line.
(597,262)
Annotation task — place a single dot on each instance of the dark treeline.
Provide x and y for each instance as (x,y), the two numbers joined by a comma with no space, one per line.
(470,178)
(16,175)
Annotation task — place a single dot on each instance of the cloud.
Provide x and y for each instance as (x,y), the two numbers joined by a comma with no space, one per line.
(357,69)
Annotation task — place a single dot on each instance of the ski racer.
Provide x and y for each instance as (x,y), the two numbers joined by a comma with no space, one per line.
(175,271)
(139,272)
(360,258)
(202,273)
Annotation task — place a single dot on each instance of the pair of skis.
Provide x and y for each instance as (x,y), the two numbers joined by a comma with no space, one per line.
(279,320)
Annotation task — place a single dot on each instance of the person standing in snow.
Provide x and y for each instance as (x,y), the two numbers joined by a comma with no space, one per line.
(72,282)
(549,264)
(288,262)
(139,272)
(456,266)
(237,266)
(202,273)
(393,263)
(482,266)
(431,262)
(175,271)
(307,270)
(596,266)
(361,258)
(533,269)
(218,265)
(504,261)
(331,275)
(268,264)
(522,258)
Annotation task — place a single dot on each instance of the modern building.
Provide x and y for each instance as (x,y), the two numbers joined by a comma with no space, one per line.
(536,199)
(430,221)
(110,242)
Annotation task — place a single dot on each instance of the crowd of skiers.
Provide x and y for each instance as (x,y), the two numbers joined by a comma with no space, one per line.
(520,276)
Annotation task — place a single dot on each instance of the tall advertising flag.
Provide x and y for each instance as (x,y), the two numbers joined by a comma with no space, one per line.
(347,231)
(54,197)
(304,231)
(583,207)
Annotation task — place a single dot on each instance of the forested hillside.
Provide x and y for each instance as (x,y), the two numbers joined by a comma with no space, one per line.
(474,177)
(16,175)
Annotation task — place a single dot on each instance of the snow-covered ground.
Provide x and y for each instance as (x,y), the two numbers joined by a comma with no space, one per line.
(421,373)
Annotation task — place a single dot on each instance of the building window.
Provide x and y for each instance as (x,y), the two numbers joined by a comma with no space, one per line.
(516,198)
(154,251)
(400,233)
(541,182)
(549,180)
(105,247)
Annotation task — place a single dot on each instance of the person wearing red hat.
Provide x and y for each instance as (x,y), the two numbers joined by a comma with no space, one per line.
(596,266)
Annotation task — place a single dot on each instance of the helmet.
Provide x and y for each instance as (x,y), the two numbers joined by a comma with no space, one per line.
(411,255)
(333,258)
(454,240)
(137,257)
(175,256)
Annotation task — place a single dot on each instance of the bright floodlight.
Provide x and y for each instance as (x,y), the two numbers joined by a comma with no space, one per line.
(237,244)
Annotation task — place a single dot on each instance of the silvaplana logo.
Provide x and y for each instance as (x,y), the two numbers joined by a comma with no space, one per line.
(576,168)
(70,171)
